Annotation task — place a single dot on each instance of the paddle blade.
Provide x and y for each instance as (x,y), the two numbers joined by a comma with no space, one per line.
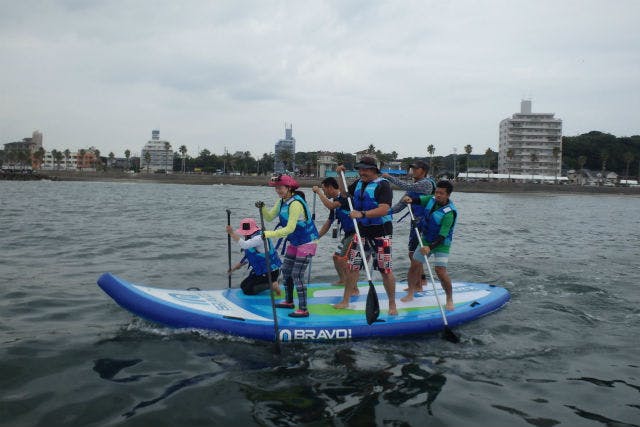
(450,336)
(373,306)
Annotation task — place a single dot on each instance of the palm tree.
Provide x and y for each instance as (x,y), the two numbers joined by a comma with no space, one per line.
(581,162)
(183,152)
(431,149)
(534,159)
(628,158)
(147,159)
(604,156)
(96,160)
(127,154)
(489,155)
(167,148)
(54,156)
(468,149)
(556,154)
(38,157)
(81,155)
(510,157)
(371,149)
(111,158)
(58,158)
(67,156)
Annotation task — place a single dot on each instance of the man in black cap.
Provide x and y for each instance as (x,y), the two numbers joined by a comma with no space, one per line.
(372,198)
(422,185)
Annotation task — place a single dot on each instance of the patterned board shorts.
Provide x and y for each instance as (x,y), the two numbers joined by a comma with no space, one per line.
(345,244)
(382,247)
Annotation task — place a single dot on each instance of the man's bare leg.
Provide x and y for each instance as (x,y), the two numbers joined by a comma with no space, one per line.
(445,281)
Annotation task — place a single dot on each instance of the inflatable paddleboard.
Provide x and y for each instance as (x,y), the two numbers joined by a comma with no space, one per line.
(229,311)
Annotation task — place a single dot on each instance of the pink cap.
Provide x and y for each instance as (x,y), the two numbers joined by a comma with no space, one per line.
(286,180)
(248,226)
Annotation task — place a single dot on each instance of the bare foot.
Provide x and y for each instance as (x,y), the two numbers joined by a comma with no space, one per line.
(341,305)
(393,312)
(450,306)
(276,289)
(407,298)
(355,292)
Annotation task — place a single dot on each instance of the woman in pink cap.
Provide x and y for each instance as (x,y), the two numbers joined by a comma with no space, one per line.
(301,233)
(253,248)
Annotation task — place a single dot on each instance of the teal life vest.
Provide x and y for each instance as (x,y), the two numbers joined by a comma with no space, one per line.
(305,230)
(364,200)
(431,221)
(257,260)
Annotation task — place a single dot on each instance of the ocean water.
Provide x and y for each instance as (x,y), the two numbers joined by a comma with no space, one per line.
(564,351)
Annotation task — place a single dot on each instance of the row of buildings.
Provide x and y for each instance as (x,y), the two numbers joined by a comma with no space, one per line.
(529,144)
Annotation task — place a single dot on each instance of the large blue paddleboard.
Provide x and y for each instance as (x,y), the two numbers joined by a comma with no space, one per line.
(231,312)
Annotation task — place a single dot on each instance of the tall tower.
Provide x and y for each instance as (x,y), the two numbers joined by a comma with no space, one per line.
(285,152)
(530,143)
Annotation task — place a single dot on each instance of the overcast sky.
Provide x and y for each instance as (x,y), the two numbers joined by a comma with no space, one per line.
(399,74)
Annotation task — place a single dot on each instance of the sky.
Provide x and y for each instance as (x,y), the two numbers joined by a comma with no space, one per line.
(227,75)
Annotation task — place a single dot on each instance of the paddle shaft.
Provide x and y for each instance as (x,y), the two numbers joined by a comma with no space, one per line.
(355,225)
(267,257)
(229,245)
(313,218)
(426,259)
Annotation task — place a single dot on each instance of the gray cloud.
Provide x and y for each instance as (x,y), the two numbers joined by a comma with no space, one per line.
(399,75)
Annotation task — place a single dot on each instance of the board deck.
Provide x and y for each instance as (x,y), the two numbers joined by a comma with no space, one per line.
(230,311)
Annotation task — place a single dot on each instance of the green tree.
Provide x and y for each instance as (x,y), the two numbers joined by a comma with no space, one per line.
(628,158)
(167,149)
(468,149)
(604,156)
(510,157)
(111,159)
(67,156)
(431,149)
(556,155)
(183,154)
(147,159)
(81,153)
(127,155)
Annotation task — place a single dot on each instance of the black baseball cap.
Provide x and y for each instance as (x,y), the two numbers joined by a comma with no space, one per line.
(420,164)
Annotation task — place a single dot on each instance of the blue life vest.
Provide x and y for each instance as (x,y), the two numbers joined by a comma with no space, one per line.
(366,200)
(257,260)
(431,221)
(342,215)
(305,230)
(418,209)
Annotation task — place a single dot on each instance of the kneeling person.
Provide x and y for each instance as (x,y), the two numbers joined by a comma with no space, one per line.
(253,247)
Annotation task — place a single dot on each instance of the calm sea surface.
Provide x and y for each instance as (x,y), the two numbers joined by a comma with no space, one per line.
(564,351)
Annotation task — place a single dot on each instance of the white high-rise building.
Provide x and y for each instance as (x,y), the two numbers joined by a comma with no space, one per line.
(160,155)
(530,143)
(285,152)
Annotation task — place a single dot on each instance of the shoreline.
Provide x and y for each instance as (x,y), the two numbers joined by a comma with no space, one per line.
(202,179)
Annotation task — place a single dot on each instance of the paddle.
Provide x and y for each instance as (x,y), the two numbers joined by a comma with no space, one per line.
(267,257)
(313,218)
(372,309)
(229,245)
(447,334)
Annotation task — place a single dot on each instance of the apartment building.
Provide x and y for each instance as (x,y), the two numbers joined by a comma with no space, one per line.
(530,143)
